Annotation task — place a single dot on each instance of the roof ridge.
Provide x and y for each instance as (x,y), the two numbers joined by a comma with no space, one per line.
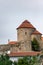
(26,24)
(36,32)
(25,21)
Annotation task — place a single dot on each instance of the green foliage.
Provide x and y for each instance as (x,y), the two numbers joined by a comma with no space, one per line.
(23,61)
(31,60)
(35,45)
(4,60)
(15,63)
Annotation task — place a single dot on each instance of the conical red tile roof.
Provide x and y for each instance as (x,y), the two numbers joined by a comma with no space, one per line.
(26,24)
(36,32)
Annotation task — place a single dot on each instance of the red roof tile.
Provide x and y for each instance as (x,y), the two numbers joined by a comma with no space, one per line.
(36,32)
(26,24)
(12,42)
(24,53)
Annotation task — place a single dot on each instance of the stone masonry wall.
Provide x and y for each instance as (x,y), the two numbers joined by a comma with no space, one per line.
(24,35)
(37,36)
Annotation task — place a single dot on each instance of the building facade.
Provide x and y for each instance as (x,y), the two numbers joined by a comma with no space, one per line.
(26,32)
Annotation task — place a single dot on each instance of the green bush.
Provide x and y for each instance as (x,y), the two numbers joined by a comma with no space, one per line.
(4,60)
(35,45)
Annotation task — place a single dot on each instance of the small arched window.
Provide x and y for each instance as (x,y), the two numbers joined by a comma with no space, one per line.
(25,33)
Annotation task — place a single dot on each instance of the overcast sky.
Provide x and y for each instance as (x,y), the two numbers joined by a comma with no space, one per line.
(14,12)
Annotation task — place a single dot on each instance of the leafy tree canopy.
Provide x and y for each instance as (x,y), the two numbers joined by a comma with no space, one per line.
(35,45)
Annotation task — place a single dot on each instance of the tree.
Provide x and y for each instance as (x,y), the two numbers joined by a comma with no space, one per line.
(31,60)
(35,45)
(23,61)
(4,60)
(15,62)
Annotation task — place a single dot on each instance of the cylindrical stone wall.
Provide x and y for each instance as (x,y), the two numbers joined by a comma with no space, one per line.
(24,35)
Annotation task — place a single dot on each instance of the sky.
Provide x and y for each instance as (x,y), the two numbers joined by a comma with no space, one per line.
(14,12)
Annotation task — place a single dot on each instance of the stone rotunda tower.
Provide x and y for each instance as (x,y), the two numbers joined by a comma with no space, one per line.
(24,32)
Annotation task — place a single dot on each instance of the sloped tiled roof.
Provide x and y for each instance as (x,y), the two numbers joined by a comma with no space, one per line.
(12,42)
(26,24)
(36,32)
(12,54)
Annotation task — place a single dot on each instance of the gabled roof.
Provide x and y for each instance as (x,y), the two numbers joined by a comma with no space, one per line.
(12,54)
(12,42)
(26,24)
(36,32)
